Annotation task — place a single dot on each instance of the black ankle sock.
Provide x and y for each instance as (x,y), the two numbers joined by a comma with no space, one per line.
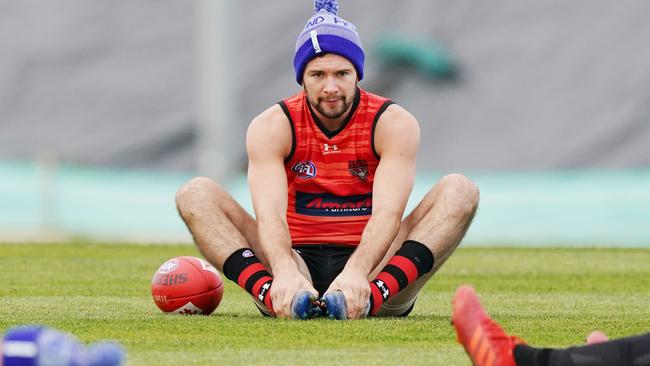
(246,270)
(624,351)
(526,355)
(410,262)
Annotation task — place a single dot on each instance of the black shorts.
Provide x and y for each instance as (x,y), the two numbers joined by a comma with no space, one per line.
(324,262)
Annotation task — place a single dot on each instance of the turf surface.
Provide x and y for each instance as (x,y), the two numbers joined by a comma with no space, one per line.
(550,297)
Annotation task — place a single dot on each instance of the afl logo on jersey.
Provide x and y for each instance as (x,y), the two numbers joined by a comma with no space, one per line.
(304,169)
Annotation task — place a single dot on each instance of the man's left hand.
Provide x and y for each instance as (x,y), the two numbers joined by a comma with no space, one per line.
(355,288)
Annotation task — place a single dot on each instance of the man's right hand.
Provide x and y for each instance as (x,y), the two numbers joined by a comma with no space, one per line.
(286,284)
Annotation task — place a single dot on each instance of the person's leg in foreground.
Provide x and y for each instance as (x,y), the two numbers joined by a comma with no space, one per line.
(487,344)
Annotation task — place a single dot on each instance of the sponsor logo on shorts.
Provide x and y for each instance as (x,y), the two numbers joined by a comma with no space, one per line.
(358,168)
(325,204)
(304,169)
(247,253)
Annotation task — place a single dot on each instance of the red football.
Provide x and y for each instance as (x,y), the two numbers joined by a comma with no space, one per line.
(187,285)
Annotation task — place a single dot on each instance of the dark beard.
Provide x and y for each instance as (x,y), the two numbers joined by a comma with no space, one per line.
(333,114)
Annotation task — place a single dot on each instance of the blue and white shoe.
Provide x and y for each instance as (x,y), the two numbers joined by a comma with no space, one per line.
(335,305)
(303,306)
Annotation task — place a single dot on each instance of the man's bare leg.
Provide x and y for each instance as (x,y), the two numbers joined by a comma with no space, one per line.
(439,222)
(218,224)
(220,228)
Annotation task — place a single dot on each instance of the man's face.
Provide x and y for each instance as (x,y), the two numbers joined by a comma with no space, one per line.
(330,83)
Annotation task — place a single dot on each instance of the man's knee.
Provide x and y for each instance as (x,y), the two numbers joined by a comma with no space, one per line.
(462,193)
(197,190)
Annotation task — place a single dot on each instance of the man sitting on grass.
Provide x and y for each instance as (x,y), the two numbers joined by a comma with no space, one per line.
(330,171)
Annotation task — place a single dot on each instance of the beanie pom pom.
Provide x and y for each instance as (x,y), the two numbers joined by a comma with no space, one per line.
(331,6)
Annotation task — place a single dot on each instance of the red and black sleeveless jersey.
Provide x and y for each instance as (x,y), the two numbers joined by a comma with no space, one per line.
(330,173)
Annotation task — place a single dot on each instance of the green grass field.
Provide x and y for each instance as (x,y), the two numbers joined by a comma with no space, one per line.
(550,297)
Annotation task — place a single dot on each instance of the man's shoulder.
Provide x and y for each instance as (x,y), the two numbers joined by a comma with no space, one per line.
(396,125)
(373,96)
(389,109)
(275,121)
(271,118)
(294,99)
(269,132)
(397,112)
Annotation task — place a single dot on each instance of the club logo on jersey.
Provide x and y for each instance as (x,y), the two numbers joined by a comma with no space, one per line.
(358,168)
(325,204)
(304,169)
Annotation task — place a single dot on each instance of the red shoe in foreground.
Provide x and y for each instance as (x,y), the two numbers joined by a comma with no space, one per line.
(484,340)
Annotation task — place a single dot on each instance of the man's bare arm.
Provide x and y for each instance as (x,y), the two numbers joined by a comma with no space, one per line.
(268,142)
(397,139)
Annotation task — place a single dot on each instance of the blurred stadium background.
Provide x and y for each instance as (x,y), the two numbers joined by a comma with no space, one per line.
(107,108)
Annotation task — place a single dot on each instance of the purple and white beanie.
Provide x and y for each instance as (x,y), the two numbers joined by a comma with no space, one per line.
(325,32)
